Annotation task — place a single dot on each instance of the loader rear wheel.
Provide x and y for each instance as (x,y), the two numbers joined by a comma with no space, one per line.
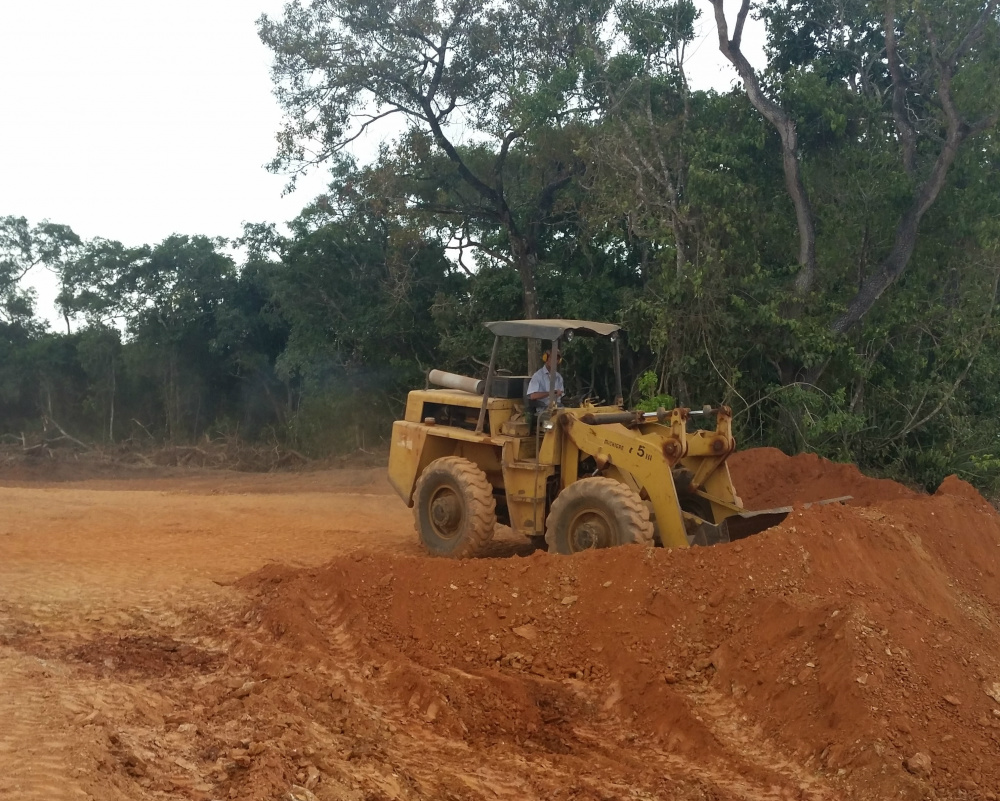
(454,508)
(597,513)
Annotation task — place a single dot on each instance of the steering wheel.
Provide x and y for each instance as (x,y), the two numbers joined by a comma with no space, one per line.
(576,401)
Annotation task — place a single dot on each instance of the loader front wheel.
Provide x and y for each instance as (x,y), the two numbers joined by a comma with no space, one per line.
(597,513)
(454,508)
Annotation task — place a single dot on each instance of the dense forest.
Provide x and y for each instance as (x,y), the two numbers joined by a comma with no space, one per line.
(817,248)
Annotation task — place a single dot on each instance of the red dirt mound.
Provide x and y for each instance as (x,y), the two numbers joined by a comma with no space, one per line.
(766,477)
(853,651)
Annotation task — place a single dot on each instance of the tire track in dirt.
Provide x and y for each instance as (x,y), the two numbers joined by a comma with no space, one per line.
(438,763)
(718,754)
(723,719)
(36,697)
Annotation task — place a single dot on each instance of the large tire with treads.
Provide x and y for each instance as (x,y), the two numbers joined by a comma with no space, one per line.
(454,508)
(596,513)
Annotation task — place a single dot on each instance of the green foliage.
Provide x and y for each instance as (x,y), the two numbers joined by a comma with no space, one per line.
(23,248)
(99,352)
(355,416)
(654,30)
(650,398)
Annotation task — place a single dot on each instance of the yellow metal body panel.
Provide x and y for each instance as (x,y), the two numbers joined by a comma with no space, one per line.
(410,453)
(525,482)
(499,410)
(569,461)
(416,399)
(416,443)
(644,457)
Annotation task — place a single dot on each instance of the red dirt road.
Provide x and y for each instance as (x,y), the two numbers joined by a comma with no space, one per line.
(221,636)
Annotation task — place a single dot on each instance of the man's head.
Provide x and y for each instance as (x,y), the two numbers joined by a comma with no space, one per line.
(548,355)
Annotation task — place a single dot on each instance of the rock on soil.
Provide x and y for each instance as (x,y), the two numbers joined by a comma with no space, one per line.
(919,765)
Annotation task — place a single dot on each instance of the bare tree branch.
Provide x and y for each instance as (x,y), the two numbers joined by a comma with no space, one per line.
(946,398)
(785,126)
(924,196)
(907,134)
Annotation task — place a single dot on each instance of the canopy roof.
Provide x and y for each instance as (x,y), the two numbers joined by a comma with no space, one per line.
(550,329)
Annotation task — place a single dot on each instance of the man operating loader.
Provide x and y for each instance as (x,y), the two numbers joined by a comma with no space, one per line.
(540,384)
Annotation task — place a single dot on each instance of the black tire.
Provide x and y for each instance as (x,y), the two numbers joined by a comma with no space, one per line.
(597,513)
(454,508)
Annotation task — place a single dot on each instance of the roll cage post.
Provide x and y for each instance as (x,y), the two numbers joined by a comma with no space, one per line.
(489,384)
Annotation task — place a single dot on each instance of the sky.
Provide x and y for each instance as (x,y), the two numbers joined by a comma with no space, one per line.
(136,120)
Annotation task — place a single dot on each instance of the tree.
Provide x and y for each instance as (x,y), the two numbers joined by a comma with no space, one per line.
(95,284)
(24,247)
(646,107)
(507,79)
(354,291)
(357,290)
(935,69)
(169,298)
(99,351)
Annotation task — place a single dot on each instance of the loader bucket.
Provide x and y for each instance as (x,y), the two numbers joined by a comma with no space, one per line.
(735,527)
(705,533)
(746,524)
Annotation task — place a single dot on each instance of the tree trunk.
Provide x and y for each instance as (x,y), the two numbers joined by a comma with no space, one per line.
(893,266)
(957,131)
(526,263)
(527,266)
(785,126)
(111,417)
(680,243)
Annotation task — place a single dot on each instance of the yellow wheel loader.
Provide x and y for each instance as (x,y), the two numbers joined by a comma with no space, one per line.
(472,453)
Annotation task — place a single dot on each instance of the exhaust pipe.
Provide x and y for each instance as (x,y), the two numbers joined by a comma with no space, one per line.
(448,380)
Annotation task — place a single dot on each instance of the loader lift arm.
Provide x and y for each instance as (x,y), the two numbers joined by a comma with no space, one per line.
(672,469)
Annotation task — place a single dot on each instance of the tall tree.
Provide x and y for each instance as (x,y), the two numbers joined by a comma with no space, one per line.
(934,69)
(640,153)
(357,290)
(503,77)
(23,247)
(99,351)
